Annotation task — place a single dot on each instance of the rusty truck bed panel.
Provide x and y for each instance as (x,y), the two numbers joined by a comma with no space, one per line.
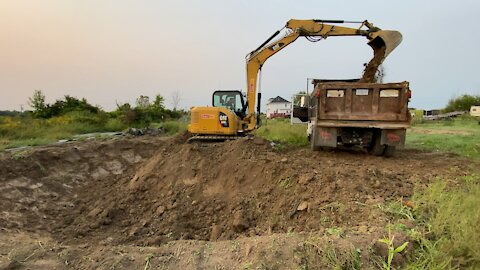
(363,124)
(362,101)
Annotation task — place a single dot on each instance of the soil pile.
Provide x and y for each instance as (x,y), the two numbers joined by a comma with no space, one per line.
(149,191)
(209,191)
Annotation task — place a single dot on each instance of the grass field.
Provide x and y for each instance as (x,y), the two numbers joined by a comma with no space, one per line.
(280,130)
(460,135)
(24,131)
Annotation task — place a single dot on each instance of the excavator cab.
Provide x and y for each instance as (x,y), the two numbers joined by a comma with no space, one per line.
(222,121)
(230,99)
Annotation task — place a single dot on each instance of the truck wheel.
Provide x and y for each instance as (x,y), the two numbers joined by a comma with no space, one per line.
(376,148)
(314,147)
(312,140)
(389,151)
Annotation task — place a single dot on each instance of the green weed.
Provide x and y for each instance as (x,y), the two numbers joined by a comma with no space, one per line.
(318,254)
(148,258)
(248,265)
(234,245)
(335,231)
(397,209)
(285,183)
(392,250)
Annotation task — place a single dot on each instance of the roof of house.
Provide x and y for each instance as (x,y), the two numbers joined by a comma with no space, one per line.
(278,99)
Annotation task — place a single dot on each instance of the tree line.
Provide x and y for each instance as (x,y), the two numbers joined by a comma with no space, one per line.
(143,112)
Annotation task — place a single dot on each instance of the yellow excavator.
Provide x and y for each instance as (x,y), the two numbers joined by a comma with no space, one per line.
(231,117)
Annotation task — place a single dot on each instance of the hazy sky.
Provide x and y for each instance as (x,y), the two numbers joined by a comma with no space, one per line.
(112,51)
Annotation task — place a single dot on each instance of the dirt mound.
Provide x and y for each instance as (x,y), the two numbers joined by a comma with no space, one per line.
(225,190)
(150,191)
(41,186)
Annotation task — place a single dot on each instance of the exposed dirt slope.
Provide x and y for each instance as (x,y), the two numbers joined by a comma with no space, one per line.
(95,198)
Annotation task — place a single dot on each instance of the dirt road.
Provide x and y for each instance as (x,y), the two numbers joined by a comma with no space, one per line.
(158,203)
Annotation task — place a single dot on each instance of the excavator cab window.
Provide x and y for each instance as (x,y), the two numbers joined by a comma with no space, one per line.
(232,100)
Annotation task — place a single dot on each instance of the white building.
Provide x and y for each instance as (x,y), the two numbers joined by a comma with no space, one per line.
(475,111)
(278,108)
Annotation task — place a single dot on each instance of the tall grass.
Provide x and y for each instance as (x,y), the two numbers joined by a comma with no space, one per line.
(449,219)
(280,130)
(18,131)
(28,131)
(172,127)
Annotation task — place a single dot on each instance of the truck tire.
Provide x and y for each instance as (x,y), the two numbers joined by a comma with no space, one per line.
(312,139)
(314,147)
(389,150)
(376,148)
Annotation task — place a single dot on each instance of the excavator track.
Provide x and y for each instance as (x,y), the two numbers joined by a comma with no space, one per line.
(215,138)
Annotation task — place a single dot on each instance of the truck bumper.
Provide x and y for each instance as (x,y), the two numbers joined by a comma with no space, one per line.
(328,136)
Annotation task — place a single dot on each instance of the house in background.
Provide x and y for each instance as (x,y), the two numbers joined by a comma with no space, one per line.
(475,111)
(278,108)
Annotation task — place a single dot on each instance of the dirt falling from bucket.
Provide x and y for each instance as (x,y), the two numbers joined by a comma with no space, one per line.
(372,66)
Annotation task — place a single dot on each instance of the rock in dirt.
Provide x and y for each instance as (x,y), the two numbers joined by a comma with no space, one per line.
(303,206)
(160,210)
(146,131)
(305,179)
(239,222)
(259,141)
(215,233)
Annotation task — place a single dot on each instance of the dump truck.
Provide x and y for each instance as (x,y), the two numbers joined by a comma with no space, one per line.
(355,114)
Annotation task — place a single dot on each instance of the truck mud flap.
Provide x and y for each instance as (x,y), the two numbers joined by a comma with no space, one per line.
(393,137)
(325,137)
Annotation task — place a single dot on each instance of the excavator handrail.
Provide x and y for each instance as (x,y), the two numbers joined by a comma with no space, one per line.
(309,29)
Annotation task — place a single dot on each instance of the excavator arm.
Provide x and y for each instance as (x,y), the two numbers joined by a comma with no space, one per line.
(382,42)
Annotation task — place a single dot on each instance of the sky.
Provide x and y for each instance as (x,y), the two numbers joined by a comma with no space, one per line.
(112,51)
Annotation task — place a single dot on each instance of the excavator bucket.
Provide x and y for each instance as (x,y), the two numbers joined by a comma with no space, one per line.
(383,42)
(385,38)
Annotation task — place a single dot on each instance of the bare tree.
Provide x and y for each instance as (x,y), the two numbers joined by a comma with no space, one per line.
(176,98)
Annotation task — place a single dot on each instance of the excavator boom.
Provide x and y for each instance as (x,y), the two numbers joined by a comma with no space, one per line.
(383,42)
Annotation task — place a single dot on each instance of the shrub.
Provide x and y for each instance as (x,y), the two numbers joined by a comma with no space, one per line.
(462,103)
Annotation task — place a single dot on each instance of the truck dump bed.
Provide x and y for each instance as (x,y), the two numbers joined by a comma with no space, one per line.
(348,114)
(354,101)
